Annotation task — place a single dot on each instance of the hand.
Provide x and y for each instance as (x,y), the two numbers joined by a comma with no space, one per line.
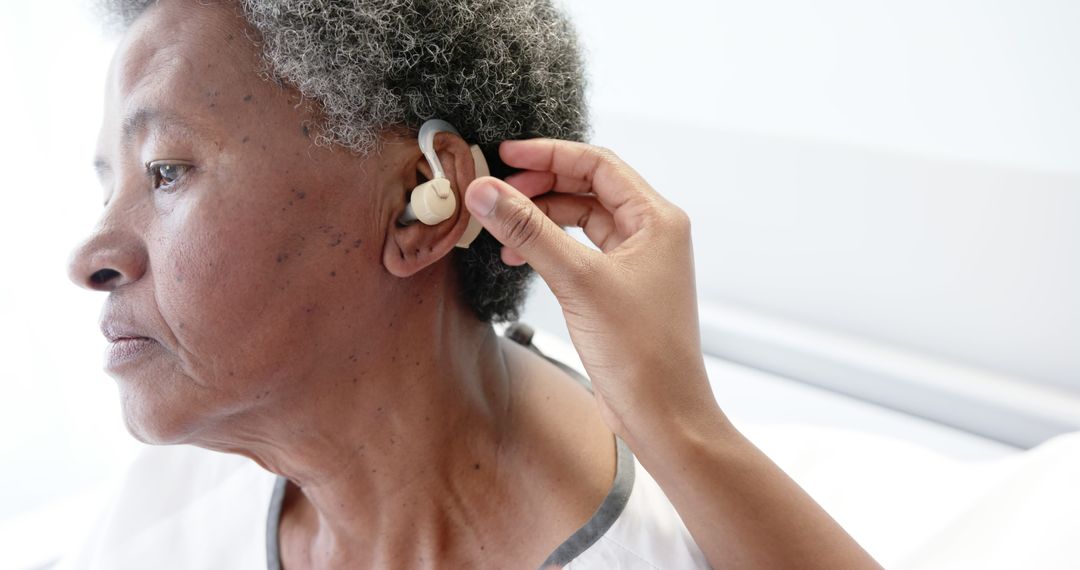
(631,307)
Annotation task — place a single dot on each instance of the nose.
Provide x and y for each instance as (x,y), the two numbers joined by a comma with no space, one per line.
(108,259)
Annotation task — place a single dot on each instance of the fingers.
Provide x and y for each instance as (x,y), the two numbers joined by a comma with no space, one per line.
(594,190)
(522,226)
(579,165)
(584,212)
(532,183)
(575,159)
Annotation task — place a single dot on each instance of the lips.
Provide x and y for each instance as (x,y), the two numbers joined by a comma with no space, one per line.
(125,352)
(116,325)
(130,342)
(114,332)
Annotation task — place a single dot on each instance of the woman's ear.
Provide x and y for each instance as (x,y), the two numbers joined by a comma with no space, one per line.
(410,248)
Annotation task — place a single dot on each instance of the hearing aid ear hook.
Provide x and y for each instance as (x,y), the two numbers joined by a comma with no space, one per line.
(433,202)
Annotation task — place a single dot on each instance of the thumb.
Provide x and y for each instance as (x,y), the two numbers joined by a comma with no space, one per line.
(521,225)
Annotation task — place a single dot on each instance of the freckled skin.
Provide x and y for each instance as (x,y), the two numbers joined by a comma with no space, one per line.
(219,247)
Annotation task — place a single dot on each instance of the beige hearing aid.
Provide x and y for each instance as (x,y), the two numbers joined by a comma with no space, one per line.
(433,202)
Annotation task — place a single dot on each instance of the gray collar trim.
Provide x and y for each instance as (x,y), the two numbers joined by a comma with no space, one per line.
(273,519)
(605,514)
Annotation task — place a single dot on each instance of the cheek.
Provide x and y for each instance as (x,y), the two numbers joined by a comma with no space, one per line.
(222,289)
(256,296)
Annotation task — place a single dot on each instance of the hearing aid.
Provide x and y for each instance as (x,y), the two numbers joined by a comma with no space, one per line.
(434,202)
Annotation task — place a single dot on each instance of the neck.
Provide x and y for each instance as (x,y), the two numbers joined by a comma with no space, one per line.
(386,446)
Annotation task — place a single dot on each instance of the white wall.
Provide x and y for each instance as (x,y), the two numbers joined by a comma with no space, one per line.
(60,428)
(994,81)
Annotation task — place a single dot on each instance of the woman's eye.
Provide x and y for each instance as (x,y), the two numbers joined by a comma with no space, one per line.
(165,174)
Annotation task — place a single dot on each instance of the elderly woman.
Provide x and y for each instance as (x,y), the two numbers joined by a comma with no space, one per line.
(268,298)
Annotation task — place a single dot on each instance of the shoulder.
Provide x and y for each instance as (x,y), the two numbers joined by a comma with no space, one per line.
(648,534)
(182,507)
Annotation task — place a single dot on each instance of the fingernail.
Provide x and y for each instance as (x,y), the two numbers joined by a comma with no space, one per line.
(481,200)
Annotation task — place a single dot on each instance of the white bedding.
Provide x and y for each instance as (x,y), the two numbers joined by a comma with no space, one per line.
(916,494)
(914,508)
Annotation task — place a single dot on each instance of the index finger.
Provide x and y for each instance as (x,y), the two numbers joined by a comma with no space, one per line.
(611,179)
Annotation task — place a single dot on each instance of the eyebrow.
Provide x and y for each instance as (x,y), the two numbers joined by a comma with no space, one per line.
(140,120)
(145,117)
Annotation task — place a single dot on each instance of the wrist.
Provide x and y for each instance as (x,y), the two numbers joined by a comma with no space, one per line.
(679,419)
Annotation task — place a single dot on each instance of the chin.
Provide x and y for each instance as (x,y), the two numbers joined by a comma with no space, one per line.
(157,419)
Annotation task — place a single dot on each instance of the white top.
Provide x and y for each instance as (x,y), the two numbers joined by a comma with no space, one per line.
(182,507)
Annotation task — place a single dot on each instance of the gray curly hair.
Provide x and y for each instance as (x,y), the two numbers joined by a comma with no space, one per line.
(495,69)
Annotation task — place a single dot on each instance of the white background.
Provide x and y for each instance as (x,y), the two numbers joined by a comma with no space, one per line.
(904,171)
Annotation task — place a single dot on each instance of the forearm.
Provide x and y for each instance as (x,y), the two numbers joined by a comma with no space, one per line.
(741,508)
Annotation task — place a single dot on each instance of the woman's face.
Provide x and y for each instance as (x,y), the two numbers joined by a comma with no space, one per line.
(249,255)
